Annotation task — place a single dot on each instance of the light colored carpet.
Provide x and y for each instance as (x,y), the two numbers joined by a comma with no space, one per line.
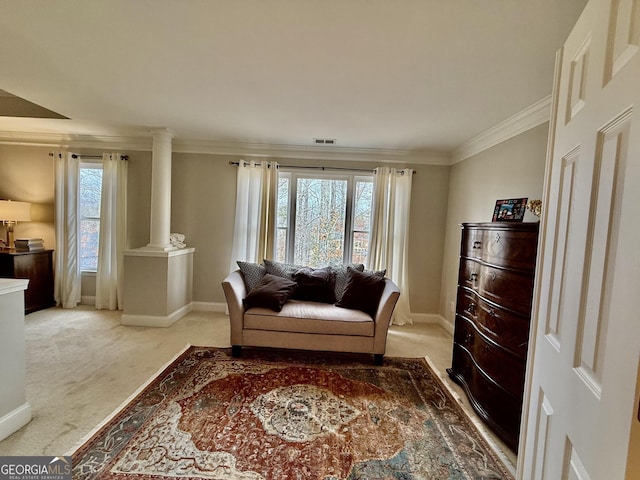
(82,365)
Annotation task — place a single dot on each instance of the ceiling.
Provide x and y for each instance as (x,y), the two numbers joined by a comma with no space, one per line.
(418,75)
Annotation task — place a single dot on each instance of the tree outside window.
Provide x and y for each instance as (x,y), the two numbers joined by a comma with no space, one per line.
(89,195)
(323,219)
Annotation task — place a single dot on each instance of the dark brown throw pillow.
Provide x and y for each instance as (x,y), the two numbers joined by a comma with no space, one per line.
(271,292)
(315,285)
(362,292)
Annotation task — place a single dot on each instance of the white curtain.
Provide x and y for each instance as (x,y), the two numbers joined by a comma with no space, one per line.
(388,247)
(67,268)
(253,232)
(113,232)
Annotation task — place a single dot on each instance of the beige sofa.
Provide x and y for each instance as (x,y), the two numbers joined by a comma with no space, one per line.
(307,325)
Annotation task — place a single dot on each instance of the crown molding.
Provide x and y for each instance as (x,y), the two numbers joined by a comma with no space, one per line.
(68,141)
(532,116)
(303,152)
(144,142)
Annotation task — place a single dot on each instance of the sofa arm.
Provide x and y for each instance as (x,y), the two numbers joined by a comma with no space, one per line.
(388,301)
(234,291)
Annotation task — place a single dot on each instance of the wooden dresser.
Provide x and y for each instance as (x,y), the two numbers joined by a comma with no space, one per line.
(495,289)
(37,267)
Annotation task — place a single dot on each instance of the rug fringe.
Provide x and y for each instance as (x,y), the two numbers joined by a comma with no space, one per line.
(482,428)
(119,408)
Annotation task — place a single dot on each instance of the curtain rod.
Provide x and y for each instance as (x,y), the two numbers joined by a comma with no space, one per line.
(75,155)
(369,170)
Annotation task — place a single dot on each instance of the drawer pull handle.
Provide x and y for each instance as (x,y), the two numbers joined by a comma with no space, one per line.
(474,277)
(468,338)
(492,312)
(486,349)
(497,238)
(492,275)
(477,244)
(472,308)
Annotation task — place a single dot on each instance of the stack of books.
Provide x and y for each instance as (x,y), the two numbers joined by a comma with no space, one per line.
(29,244)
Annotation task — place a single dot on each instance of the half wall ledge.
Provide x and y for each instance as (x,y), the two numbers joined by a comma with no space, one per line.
(158,286)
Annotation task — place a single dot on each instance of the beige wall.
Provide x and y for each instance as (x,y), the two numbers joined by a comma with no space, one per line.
(27,176)
(203,208)
(512,169)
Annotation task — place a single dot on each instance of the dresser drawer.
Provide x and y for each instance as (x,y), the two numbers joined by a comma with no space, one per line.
(498,364)
(499,409)
(511,289)
(503,327)
(511,249)
(472,241)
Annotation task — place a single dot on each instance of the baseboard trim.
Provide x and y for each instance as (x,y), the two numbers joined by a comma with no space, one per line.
(15,420)
(448,326)
(155,320)
(218,307)
(433,318)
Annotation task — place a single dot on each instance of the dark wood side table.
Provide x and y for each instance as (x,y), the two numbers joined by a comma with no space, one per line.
(37,267)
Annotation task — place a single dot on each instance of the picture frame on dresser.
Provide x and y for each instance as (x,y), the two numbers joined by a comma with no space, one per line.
(509,210)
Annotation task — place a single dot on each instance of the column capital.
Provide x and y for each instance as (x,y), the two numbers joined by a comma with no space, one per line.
(161,132)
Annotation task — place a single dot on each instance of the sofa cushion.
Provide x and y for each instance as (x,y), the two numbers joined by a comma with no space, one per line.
(271,292)
(315,285)
(252,273)
(362,292)
(310,317)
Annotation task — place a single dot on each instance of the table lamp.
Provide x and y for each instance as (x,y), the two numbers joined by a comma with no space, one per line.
(12,213)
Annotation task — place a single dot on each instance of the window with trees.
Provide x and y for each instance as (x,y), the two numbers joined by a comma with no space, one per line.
(323,219)
(89,196)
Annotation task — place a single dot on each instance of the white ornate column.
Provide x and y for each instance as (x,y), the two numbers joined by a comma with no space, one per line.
(160,191)
(158,278)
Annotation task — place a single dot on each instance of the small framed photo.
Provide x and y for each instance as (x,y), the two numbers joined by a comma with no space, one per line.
(510,210)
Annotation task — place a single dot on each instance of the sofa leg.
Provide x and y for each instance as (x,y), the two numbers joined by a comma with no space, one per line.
(377,358)
(236,351)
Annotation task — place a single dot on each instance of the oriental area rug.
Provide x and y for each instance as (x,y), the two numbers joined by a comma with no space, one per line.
(282,415)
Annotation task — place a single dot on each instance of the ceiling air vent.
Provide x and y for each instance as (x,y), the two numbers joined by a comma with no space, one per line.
(324,141)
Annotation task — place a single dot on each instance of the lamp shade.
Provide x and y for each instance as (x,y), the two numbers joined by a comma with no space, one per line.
(11,211)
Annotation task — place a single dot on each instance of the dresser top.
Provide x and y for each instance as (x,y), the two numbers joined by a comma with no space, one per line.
(513,226)
(14,252)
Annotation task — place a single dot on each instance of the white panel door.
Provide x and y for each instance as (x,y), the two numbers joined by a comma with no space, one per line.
(585,340)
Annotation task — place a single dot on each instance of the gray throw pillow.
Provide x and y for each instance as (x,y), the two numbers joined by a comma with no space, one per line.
(379,273)
(279,269)
(341,277)
(252,273)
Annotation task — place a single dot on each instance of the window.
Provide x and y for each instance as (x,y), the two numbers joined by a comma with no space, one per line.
(322,219)
(89,194)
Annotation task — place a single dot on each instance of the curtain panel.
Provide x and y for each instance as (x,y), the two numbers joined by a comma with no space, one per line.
(256,195)
(113,232)
(67,267)
(389,240)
